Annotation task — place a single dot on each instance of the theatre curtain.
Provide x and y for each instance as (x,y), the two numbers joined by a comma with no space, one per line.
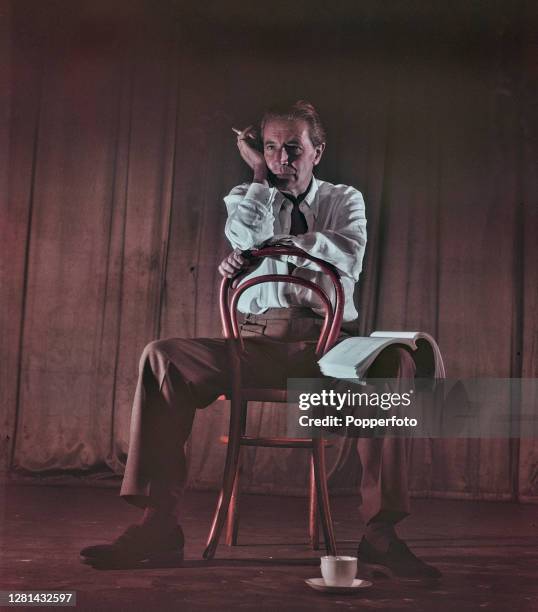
(117,150)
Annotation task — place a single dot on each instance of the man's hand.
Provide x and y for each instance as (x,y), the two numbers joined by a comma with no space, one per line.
(246,140)
(280,240)
(233,264)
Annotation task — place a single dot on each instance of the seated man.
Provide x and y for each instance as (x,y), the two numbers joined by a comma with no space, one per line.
(284,203)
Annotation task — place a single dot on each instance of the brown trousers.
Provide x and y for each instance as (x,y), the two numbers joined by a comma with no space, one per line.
(179,375)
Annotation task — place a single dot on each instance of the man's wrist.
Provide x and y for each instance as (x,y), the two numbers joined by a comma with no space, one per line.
(260,174)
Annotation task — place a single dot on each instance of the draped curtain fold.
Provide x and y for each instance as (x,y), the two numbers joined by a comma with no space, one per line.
(118,151)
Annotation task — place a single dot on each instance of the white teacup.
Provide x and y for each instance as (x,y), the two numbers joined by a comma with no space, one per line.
(339,571)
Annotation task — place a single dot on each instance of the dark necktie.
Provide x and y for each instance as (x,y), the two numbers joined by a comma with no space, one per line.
(298,226)
(298,221)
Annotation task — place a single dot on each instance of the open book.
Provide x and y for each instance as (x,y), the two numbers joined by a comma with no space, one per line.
(352,357)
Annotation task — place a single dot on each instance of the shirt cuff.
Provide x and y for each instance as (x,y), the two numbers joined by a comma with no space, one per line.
(260,193)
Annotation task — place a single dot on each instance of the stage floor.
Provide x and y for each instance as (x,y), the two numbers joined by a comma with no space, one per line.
(487,551)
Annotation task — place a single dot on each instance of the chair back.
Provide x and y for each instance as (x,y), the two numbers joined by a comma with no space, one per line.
(231,290)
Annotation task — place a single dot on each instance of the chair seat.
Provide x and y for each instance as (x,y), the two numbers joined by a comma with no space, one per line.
(276,442)
(260,395)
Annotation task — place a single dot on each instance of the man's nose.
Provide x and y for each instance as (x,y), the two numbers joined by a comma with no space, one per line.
(283,156)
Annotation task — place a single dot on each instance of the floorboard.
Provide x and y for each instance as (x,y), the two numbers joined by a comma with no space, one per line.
(487,551)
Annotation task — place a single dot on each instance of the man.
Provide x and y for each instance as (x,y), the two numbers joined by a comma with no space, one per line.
(284,203)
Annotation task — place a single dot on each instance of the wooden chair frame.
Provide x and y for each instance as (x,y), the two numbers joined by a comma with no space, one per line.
(230,292)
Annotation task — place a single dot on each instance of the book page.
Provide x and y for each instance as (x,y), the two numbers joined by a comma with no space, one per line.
(352,351)
(411,335)
(352,357)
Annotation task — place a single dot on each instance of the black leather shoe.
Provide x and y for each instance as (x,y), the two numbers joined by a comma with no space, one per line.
(138,546)
(397,562)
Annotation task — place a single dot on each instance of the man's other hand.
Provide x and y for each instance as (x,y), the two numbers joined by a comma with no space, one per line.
(246,143)
(280,240)
(234,263)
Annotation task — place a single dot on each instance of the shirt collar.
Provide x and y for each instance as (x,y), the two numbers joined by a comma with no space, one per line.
(310,198)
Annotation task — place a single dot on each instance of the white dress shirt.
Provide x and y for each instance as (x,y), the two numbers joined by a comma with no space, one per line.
(335,216)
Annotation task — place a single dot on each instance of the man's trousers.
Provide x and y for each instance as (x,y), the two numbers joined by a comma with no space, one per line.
(177,376)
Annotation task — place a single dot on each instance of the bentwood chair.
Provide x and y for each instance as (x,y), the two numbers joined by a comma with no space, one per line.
(230,292)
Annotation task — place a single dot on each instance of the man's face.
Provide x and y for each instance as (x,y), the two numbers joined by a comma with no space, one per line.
(290,154)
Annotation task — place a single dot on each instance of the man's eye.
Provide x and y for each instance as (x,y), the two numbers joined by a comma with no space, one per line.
(294,150)
(269,147)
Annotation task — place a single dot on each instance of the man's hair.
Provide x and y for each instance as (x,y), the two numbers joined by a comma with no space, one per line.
(299,110)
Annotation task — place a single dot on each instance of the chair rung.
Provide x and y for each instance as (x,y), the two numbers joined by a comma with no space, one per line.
(276,442)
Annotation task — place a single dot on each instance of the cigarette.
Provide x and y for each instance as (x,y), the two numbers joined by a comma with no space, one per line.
(240,133)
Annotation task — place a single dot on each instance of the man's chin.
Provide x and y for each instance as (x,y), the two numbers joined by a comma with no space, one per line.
(284,179)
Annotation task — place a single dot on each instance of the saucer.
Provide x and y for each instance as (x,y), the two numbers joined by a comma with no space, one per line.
(319,585)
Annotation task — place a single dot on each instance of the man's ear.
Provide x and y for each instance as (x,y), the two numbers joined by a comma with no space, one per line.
(319,152)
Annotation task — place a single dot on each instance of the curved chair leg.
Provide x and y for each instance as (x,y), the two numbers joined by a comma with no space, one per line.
(313,514)
(230,469)
(320,472)
(232,524)
(232,527)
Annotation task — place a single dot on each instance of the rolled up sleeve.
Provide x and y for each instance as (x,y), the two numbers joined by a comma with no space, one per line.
(344,245)
(250,215)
